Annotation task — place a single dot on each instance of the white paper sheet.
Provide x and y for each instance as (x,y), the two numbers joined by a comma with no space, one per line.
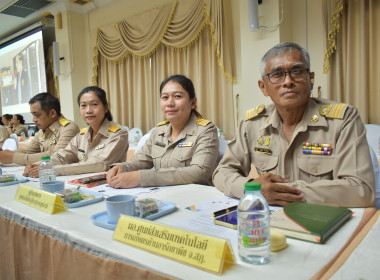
(109,191)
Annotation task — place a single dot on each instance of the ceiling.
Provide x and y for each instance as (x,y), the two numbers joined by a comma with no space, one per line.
(10,24)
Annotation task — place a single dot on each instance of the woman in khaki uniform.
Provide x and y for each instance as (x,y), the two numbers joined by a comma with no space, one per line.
(18,127)
(7,120)
(4,135)
(96,147)
(183,149)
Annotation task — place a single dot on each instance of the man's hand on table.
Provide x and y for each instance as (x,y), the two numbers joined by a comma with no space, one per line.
(276,193)
(31,170)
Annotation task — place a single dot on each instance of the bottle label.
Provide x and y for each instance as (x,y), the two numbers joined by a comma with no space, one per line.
(254,232)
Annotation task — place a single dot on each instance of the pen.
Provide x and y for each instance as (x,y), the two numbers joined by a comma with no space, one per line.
(224,211)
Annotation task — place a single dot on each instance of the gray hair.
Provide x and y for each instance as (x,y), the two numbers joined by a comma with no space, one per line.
(280,49)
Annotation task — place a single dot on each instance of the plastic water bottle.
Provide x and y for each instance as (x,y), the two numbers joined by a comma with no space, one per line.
(253,226)
(221,134)
(46,170)
(137,137)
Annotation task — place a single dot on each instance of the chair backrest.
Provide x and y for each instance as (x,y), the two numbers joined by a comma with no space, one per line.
(373,137)
(132,134)
(14,137)
(143,140)
(376,170)
(222,148)
(10,144)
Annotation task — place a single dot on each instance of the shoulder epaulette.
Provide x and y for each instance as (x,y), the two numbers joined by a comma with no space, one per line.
(202,122)
(63,121)
(83,130)
(250,114)
(114,128)
(162,123)
(333,111)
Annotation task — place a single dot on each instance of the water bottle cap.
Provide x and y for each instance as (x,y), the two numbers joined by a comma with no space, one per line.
(45,158)
(252,186)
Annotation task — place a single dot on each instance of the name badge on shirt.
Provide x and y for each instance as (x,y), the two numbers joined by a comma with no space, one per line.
(82,157)
(159,144)
(185,144)
(263,150)
(99,147)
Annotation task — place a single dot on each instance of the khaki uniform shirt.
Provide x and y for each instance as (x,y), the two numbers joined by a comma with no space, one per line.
(46,143)
(190,159)
(4,134)
(81,155)
(18,130)
(344,178)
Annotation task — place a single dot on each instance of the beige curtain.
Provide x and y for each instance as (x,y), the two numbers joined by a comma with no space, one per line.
(190,37)
(354,67)
(199,63)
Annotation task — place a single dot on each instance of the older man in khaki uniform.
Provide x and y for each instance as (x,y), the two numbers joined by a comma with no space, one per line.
(304,149)
(54,134)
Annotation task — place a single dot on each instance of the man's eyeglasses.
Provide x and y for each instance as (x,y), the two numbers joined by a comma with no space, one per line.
(278,77)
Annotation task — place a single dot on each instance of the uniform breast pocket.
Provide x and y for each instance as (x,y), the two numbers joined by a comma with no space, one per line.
(157,155)
(315,168)
(182,156)
(264,163)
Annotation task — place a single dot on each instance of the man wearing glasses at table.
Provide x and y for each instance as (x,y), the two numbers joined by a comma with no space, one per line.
(304,149)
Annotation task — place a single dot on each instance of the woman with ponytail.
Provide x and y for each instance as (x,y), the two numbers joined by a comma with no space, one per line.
(183,149)
(95,147)
(18,125)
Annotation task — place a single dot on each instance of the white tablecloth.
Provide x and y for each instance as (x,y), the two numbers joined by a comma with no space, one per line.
(301,260)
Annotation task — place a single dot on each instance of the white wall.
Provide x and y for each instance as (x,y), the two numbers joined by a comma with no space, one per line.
(299,26)
(73,41)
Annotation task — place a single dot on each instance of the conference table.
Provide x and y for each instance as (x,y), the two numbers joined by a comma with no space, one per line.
(67,245)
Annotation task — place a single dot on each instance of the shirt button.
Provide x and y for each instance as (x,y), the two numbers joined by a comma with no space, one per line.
(315,170)
(262,165)
(287,177)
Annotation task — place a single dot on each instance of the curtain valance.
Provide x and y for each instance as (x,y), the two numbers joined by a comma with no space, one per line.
(176,25)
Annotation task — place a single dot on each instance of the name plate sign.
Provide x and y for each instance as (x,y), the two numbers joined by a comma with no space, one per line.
(196,249)
(39,199)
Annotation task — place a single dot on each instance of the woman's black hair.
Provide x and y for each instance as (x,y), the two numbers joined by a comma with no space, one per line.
(187,85)
(20,118)
(102,96)
(8,117)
